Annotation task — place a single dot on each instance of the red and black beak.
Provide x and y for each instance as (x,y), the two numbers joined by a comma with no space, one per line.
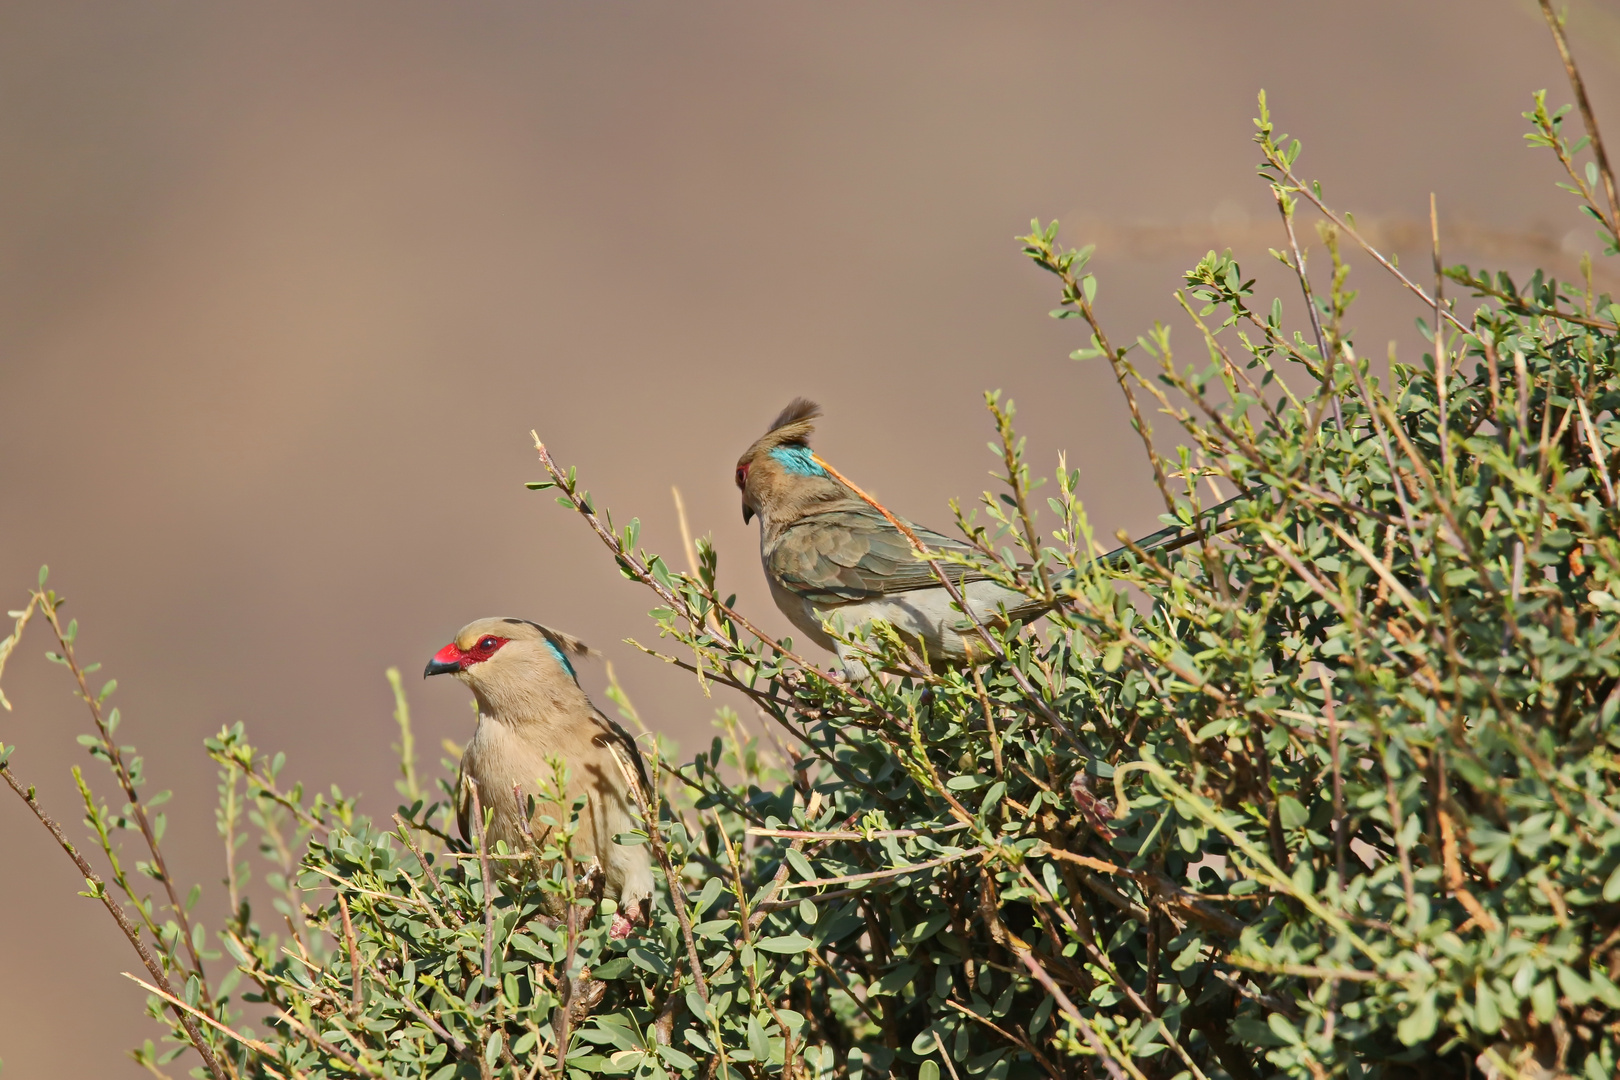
(446,661)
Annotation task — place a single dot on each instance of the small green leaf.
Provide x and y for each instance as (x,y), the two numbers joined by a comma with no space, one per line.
(1419,1024)
(1486,1014)
(758,1044)
(1292,812)
(1611,888)
(785,943)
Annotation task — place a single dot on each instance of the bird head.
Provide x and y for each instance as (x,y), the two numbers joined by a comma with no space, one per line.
(512,666)
(778,476)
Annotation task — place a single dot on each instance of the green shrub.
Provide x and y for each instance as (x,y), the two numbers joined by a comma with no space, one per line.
(1320,781)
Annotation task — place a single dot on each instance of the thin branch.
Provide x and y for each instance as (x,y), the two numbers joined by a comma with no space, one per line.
(875,875)
(490,978)
(1073,1014)
(1442,378)
(176,1004)
(677,898)
(99,889)
(427,869)
(356,994)
(1285,207)
(1338,780)
(126,780)
(1578,85)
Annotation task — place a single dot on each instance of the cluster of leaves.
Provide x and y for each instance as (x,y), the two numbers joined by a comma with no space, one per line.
(1320,781)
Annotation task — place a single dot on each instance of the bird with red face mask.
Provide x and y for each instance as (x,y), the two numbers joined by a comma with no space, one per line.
(531,708)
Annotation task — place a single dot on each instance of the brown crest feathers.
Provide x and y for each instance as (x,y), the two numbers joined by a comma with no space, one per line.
(792,427)
(799,411)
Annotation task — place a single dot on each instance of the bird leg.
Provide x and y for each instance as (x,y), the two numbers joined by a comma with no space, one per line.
(853,663)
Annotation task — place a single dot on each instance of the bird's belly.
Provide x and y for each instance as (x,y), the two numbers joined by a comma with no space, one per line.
(925,615)
(932,618)
(501,758)
(800,612)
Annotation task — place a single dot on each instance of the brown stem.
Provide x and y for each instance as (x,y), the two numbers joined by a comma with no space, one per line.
(115,759)
(1287,211)
(356,993)
(1338,780)
(677,897)
(1442,379)
(427,869)
(1009,458)
(1578,85)
(1071,1012)
(99,889)
(490,978)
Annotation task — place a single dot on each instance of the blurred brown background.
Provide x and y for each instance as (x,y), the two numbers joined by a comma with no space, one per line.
(284,287)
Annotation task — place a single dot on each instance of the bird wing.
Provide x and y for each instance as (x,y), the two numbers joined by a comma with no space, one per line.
(613,734)
(463,800)
(855,554)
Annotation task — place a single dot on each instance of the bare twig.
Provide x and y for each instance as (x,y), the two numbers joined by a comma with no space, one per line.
(686,533)
(357,999)
(491,980)
(126,780)
(1442,377)
(851,834)
(677,897)
(1338,780)
(427,868)
(98,888)
(1073,1014)
(1285,207)
(176,1004)
(1578,85)
(9,643)
(875,875)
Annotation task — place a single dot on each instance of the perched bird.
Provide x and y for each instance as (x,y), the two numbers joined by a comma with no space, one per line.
(830,556)
(531,707)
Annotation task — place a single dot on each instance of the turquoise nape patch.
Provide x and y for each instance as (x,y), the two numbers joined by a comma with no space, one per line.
(561,659)
(797,460)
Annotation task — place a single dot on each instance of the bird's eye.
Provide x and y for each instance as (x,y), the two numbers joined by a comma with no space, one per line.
(487,643)
(742,475)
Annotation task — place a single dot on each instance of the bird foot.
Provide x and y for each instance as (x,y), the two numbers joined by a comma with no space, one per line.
(621,927)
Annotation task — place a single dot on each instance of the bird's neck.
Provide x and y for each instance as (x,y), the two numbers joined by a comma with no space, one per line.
(804,500)
(529,704)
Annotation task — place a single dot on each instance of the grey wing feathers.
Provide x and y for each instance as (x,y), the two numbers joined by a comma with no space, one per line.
(846,555)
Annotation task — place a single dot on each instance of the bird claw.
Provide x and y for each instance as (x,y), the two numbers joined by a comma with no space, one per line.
(621,927)
(1095,811)
(855,667)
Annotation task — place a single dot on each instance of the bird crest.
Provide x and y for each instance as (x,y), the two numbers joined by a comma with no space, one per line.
(561,645)
(794,425)
(788,439)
